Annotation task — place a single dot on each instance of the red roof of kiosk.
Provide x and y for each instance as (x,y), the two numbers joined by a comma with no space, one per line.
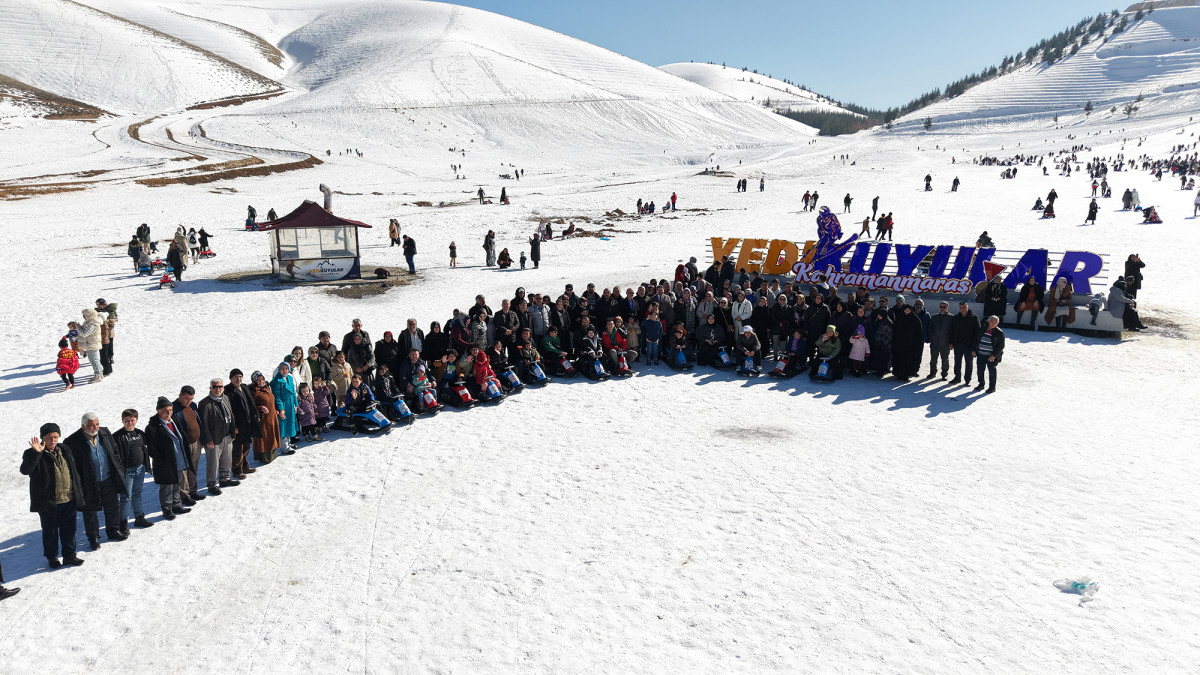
(310,214)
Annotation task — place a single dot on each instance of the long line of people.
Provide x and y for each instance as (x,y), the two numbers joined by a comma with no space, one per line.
(482,355)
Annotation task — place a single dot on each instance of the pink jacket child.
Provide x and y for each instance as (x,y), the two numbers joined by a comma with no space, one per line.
(307,415)
(321,408)
(860,349)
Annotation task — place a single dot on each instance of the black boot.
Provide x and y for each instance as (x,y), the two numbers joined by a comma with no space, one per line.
(141,521)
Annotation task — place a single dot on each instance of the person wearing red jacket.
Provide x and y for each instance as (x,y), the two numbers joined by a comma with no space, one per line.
(614,344)
(67,363)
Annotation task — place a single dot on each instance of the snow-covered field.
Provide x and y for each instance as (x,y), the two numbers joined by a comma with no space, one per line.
(669,523)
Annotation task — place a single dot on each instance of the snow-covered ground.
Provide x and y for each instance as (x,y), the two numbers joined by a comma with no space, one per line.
(668,523)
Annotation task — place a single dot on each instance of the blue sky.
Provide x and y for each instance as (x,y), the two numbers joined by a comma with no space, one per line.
(877,54)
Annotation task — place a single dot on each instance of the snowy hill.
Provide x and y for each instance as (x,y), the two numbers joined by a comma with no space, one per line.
(1157,57)
(438,75)
(85,54)
(744,85)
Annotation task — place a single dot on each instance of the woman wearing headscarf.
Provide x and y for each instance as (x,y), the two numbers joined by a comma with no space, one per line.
(283,386)
(267,440)
(879,335)
(1058,306)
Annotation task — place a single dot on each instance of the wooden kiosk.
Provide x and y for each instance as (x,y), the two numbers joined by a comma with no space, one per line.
(312,244)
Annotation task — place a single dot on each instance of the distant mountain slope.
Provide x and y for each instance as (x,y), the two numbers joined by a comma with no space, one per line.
(753,87)
(81,53)
(1156,57)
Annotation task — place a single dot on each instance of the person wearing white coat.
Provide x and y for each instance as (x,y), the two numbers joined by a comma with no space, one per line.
(89,341)
(742,309)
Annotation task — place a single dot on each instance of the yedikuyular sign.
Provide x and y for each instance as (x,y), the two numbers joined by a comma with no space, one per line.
(950,269)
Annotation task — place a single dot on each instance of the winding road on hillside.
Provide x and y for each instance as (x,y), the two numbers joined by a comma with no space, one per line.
(167,149)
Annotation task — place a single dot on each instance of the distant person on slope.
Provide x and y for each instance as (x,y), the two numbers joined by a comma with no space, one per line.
(1093,209)
(480,193)
(846,202)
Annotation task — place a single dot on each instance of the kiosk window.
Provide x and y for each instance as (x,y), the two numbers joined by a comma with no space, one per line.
(312,243)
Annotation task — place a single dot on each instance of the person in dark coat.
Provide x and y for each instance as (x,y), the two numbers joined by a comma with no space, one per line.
(709,338)
(55,492)
(245,419)
(1093,209)
(879,336)
(995,297)
(712,275)
(937,335)
(410,252)
(783,322)
(816,319)
(989,349)
(101,476)
(167,445)
(175,260)
(727,272)
(435,344)
(908,344)
(535,250)
(385,349)
(1133,270)
(348,339)
(361,358)
(964,327)
(1031,298)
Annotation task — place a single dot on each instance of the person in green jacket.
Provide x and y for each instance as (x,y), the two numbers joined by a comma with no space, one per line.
(828,346)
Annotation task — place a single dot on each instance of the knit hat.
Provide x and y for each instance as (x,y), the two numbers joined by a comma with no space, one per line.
(234,373)
(162,403)
(831,328)
(255,375)
(747,329)
(49,428)
(861,330)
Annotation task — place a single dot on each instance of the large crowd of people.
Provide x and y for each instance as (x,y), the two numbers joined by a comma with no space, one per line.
(716,319)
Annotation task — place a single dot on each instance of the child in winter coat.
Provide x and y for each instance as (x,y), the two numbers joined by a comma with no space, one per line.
(860,349)
(453,255)
(341,377)
(72,335)
(632,332)
(652,334)
(1095,306)
(67,364)
(523,259)
(306,415)
(321,409)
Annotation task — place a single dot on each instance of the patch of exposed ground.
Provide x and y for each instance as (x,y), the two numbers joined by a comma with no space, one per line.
(60,107)
(345,288)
